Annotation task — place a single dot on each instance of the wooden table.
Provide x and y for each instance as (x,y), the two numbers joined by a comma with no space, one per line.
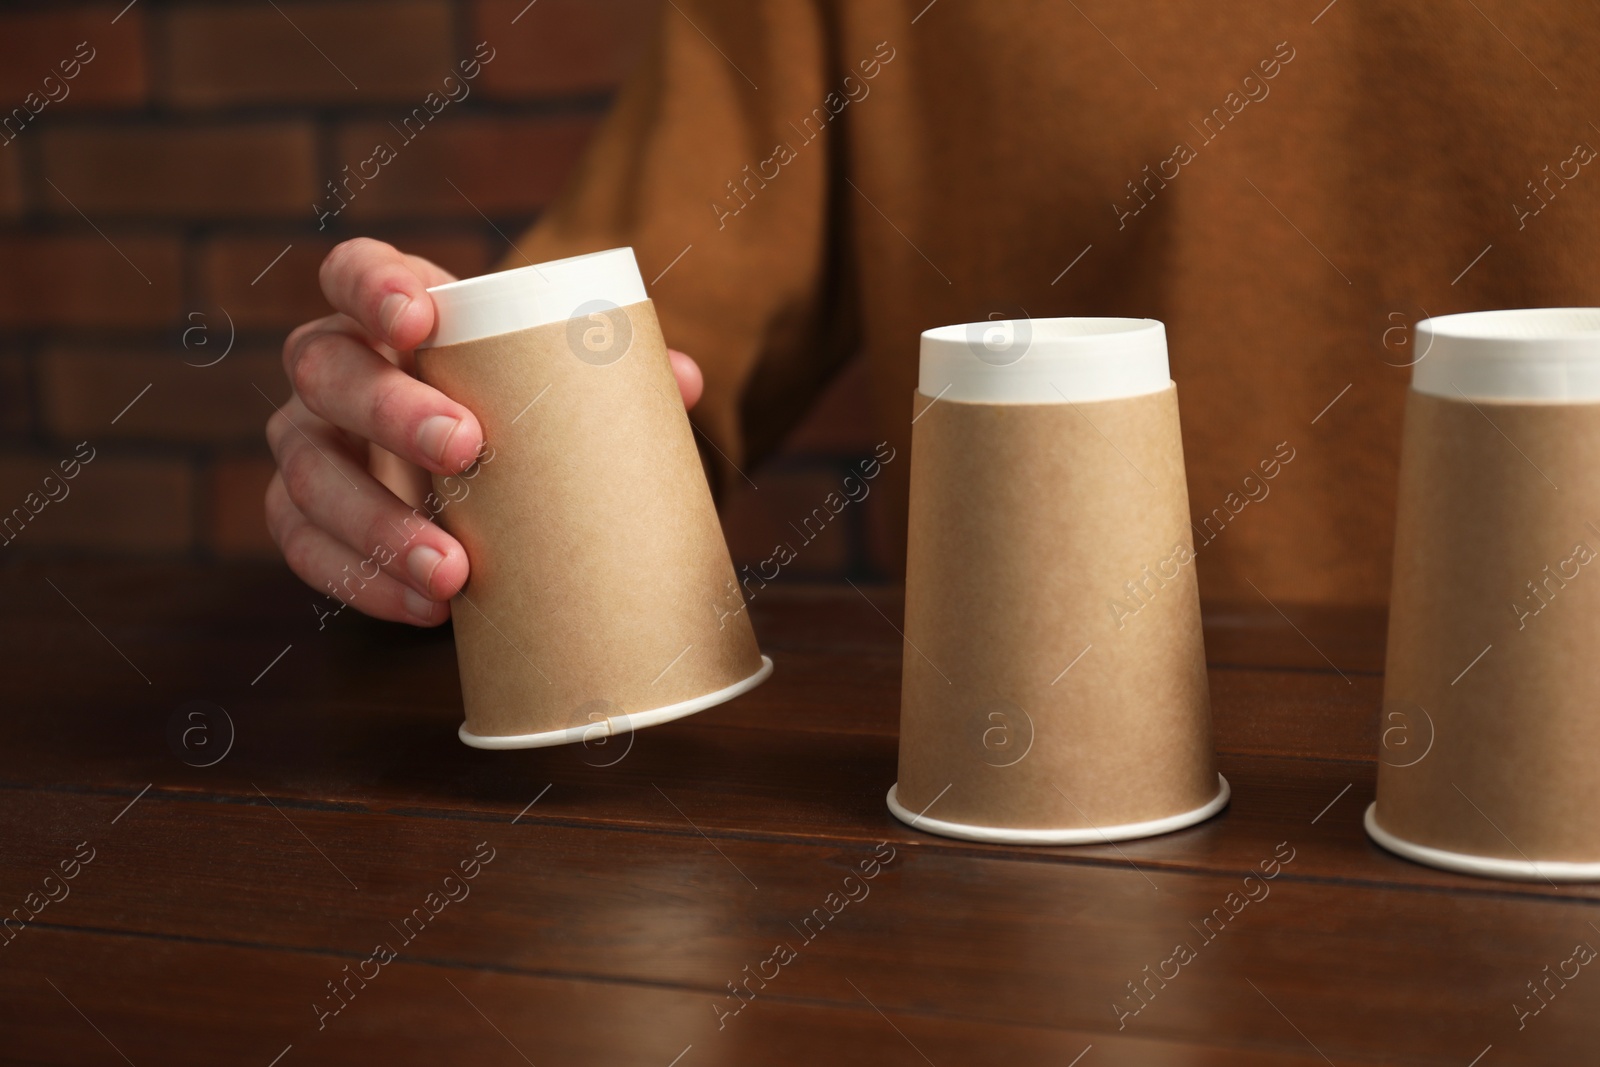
(629,885)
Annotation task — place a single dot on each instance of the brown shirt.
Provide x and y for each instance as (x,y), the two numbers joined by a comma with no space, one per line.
(1286,189)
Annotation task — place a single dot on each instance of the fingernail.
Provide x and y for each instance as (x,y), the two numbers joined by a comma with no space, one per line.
(422,562)
(419,607)
(394,305)
(433,436)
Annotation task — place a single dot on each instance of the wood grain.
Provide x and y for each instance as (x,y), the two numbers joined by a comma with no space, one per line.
(648,876)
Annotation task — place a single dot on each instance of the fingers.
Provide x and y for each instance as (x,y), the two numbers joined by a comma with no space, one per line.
(691,383)
(382,289)
(340,378)
(340,528)
(333,492)
(335,569)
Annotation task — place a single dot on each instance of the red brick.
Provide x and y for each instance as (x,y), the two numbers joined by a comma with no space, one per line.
(561,46)
(234,54)
(84,281)
(757,521)
(289,293)
(16,396)
(235,523)
(251,169)
(503,166)
(115,504)
(11,198)
(33,44)
(83,389)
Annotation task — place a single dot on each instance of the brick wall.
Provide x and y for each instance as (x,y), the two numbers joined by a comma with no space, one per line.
(155,212)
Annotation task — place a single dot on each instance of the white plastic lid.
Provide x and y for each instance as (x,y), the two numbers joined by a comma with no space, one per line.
(1524,354)
(525,297)
(1044,361)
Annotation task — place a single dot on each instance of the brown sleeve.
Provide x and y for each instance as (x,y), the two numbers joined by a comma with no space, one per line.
(717,165)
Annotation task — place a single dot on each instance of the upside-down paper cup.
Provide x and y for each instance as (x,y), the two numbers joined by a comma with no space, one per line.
(1054,682)
(1490,754)
(602,598)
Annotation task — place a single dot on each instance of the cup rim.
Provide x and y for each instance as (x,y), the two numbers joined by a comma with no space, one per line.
(1076,330)
(1526,326)
(521,298)
(1077,835)
(1532,355)
(626,722)
(1056,360)
(1519,870)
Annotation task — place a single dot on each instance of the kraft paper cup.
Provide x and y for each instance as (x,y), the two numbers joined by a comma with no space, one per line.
(1054,682)
(1490,751)
(602,598)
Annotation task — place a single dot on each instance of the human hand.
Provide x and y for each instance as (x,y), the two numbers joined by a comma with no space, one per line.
(356,443)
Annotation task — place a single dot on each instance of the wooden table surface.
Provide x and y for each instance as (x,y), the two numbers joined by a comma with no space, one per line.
(221,892)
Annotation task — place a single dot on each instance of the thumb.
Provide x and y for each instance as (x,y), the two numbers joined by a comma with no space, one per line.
(690,381)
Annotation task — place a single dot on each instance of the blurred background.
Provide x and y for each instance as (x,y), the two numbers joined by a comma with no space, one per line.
(156,212)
